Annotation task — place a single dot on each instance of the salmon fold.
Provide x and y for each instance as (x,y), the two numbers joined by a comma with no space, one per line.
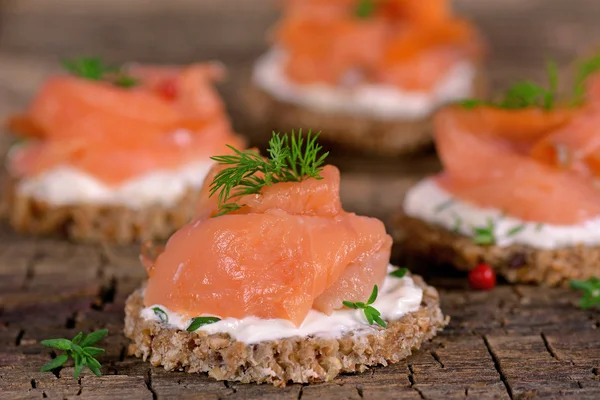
(289,249)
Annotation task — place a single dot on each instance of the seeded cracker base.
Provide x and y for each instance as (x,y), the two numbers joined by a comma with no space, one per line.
(296,359)
(95,223)
(517,263)
(361,133)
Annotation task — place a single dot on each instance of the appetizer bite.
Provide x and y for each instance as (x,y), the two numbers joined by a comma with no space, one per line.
(115,154)
(274,282)
(368,73)
(519,190)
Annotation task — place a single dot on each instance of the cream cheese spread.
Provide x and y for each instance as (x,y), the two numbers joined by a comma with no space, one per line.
(429,202)
(397,297)
(384,102)
(65,185)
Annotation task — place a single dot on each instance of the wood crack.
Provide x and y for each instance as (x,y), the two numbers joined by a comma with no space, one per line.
(549,347)
(106,295)
(148,381)
(359,390)
(498,367)
(19,337)
(228,386)
(436,357)
(411,378)
(301,392)
(30,269)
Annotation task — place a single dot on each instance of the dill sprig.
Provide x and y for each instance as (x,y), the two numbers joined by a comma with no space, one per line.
(515,230)
(524,94)
(93,68)
(585,69)
(292,158)
(529,94)
(80,349)
(371,313)
(364,8)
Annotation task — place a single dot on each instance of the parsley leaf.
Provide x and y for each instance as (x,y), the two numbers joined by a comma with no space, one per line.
(371,313)
(93,68)
(162,316)
(591,292)
(484,235)
(292,158)
(399,273)
(201,321)
(79,349)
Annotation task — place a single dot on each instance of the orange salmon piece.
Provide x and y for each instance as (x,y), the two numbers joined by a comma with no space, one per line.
(423,13)
(68,107)
(171,117)
(273,259)
(408,43)
(486,167)
(572,144)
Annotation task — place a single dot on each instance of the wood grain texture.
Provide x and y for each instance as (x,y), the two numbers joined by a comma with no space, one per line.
(512,342)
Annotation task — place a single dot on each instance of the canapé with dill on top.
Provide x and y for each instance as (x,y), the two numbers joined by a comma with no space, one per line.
(274,282)
(115,153)
(518,190)
(368,73)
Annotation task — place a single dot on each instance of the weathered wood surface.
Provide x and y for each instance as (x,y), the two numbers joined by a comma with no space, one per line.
(513,342)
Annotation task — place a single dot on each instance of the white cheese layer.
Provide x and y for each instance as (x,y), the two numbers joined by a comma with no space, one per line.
(65,185)
(429,202)
(384,102)
(397,297)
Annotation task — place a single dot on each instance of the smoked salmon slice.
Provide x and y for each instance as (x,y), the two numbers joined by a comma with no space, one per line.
(288,250)
(491,158)
(170,116)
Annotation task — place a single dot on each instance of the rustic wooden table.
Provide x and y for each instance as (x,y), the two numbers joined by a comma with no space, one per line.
(512,342)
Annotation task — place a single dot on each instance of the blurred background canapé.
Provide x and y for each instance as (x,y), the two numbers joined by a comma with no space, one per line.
(36,34)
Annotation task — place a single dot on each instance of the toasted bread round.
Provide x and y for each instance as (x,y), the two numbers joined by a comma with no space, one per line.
(295,359)
(517,263)
(95,223)
(361,133)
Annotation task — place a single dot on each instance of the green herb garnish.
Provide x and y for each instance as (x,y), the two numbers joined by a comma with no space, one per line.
(539,227)
(484,235)
(292,158)
(93,68)
(591,292)
(513,231)
(80,349)
(444,205)
(457,224)
(584,70)
(371,313)
(365,8)
(201,321)
(529,94)
(162,316)
(399,273)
